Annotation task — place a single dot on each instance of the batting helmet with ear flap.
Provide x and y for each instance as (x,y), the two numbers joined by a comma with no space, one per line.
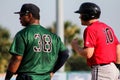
(89,11)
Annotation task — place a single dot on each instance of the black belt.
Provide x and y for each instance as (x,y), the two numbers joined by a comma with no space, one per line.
(100,65)
(103,64)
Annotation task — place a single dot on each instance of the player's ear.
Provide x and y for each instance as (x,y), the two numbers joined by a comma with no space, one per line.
(30,15)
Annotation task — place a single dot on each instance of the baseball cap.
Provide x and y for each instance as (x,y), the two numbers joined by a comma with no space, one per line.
(29,8)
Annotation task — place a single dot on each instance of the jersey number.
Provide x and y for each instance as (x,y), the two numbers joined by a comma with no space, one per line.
(44,43)
(109,35)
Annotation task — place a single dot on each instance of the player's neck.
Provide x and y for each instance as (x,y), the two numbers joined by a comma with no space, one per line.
(92,21)
(35,22)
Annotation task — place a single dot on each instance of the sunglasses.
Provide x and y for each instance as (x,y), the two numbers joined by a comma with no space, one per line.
(23,14)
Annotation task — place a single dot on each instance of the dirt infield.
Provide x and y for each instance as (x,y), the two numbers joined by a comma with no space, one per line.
(2,76)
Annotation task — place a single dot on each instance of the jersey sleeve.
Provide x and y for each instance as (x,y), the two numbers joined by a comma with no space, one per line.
(18,45)
(89,38)
(62,46)
(63,55)
(115,38)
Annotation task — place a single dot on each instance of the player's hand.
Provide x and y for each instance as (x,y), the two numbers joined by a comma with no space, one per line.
(51,74)
(74,43)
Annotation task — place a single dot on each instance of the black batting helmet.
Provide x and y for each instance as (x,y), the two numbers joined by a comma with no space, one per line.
(89,11)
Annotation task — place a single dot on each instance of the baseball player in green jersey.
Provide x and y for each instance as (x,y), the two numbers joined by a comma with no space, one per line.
(36,52)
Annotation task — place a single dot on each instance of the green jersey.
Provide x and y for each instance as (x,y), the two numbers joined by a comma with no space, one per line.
(39,49)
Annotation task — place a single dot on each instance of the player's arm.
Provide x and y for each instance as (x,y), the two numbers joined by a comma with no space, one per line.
(86,52)
(13,66)
(118,57)
(62,57)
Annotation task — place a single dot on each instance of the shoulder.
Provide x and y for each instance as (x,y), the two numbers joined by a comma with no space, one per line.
(20,32)
(49,32)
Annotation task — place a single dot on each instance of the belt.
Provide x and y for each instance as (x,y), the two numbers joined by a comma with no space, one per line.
(100,65)
(25,73)
(103,64)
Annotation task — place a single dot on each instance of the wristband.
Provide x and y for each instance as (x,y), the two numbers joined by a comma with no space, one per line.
(118,66)
(9,74)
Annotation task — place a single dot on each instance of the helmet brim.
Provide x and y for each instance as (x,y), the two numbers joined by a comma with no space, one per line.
(17,12)
(77,12)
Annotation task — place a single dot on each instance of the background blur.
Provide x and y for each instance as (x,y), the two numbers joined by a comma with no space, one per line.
(75,67)
(110,12)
